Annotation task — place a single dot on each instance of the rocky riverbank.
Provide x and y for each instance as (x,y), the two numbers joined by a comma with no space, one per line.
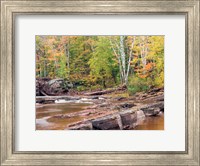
(110,111)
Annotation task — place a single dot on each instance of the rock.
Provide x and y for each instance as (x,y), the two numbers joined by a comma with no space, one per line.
(138,94)
(144,95)
(160,113)
(55,86)
(94,97)
(92,107)
(153,105)
(87,126)
(37,88)
(151,111)
(39,84)
(154,99)
(48,101)
(127,105)
(129,119)
(104,105)
(45,86)
(102,92)
(140,117)
(37,105)
(119,98)
(70,98)
(107,123)
(160,98)
(40,101)
(151,93)
(156,89)
(60,81)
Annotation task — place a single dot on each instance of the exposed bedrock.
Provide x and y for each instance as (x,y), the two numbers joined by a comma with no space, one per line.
(128,118)
(85,126)
(123,120)
(107,123)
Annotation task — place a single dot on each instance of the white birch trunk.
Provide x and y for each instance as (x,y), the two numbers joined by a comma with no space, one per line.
(119,52)
(119,61)
(129,60)
(123,57)
(144,48)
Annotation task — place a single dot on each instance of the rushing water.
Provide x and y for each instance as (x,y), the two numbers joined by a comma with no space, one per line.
(46,121)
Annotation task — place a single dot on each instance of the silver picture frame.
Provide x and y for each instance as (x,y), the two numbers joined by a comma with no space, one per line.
(10,9)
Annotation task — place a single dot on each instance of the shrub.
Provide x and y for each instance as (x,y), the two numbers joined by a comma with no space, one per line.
(137,84)
(81,88)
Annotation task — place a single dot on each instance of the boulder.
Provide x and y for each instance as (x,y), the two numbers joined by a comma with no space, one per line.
(128,118)
(107,123)
(45,87)
(151,111)
(140,117)
(40,82)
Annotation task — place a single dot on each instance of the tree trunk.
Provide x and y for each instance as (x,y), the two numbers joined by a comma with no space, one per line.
(129,61)
(119,61)
(123,57)
(67,57)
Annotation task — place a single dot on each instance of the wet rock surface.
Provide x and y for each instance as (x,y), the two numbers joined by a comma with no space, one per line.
(87,126)
(106,123)
(129,119)
(109,113)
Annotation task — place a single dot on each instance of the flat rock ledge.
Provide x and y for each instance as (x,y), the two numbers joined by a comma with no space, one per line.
(123,120)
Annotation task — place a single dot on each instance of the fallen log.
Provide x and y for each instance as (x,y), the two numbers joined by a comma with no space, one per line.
(106,91)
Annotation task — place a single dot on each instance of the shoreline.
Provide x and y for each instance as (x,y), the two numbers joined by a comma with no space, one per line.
(106,109)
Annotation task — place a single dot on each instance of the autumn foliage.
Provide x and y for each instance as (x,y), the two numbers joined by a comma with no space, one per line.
(99,62)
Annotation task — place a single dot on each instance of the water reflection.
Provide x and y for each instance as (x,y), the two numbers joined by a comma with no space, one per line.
(152,123)
(46,121)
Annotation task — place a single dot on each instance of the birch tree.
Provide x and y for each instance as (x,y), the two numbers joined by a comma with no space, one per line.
(143,43)
(118,47)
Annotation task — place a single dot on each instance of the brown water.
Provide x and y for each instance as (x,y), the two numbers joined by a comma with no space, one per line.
(152,123)
(46,121)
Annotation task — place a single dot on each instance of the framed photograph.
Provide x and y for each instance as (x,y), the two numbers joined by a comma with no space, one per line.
(100,82)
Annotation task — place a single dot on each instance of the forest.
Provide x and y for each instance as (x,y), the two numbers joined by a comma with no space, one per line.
(99,82)
(99,62)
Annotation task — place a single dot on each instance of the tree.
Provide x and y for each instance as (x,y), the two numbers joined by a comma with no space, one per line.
(104,61)
(148,61)
(102,64)
(118,46)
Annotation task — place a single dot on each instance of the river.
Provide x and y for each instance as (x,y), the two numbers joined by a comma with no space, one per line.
(45,117)
(152,123)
